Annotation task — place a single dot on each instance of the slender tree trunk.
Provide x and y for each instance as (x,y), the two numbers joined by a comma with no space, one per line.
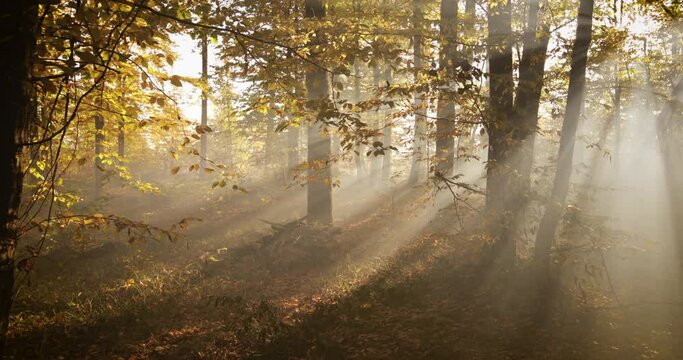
(420,128)
(575,98)
(386,135)
(269,148)
(205,83)
(319,145)
(445,123)
(121,140)
(360,157)
(16,50)
(334,135)
(376,161)
(617,112)
(467,28)
(99,150)
(292,148)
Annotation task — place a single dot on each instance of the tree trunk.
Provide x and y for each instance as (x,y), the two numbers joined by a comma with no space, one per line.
(468,27)
(376,161)
(500,127)
(420,128)
(99,149)
(467,141)
(575,98)
(121,141)
(205,84)
(292,148)
(360,157)
(386,136)
(445,123)
(319,204)
(528,97)
(520,152)
(617,113)
(269,148)
(17,31)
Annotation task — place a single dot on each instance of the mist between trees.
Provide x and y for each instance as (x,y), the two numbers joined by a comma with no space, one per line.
(394,179)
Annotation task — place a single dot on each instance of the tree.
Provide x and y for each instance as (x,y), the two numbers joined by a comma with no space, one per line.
(419,103)
(499,124)
(205,82)
(512,122)
(528,95)
(387,134)
(575,97)
(376,161)
(319,203)
(17,30)
(360,157)
(99,153)
(448,58)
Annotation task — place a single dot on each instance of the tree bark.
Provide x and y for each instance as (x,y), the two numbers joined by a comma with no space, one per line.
(528,96)
(445,123)
(360,157)
(121,140)
(500,127)
(319,203)
(376,161)
(99,149)
(419,103)
(205,83)
(17,29)
(269,148)
(386,136)
(575,98)
(292,148)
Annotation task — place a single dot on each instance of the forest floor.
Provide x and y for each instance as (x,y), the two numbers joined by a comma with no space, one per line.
(399,279)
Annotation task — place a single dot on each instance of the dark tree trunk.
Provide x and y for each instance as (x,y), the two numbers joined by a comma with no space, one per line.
(204,121)
(467,29)
(420,128)
(99,150)
(528,97)
(500,126)
(575,98)
(386,136)
(319,207)
(17,29)
(445,123)
(520,152)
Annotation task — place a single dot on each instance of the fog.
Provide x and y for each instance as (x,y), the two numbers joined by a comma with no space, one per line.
(342,180)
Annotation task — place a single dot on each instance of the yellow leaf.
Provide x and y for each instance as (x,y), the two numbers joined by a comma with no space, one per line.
(175,80)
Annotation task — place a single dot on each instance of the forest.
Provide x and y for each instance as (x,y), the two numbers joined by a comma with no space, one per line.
(341,179)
